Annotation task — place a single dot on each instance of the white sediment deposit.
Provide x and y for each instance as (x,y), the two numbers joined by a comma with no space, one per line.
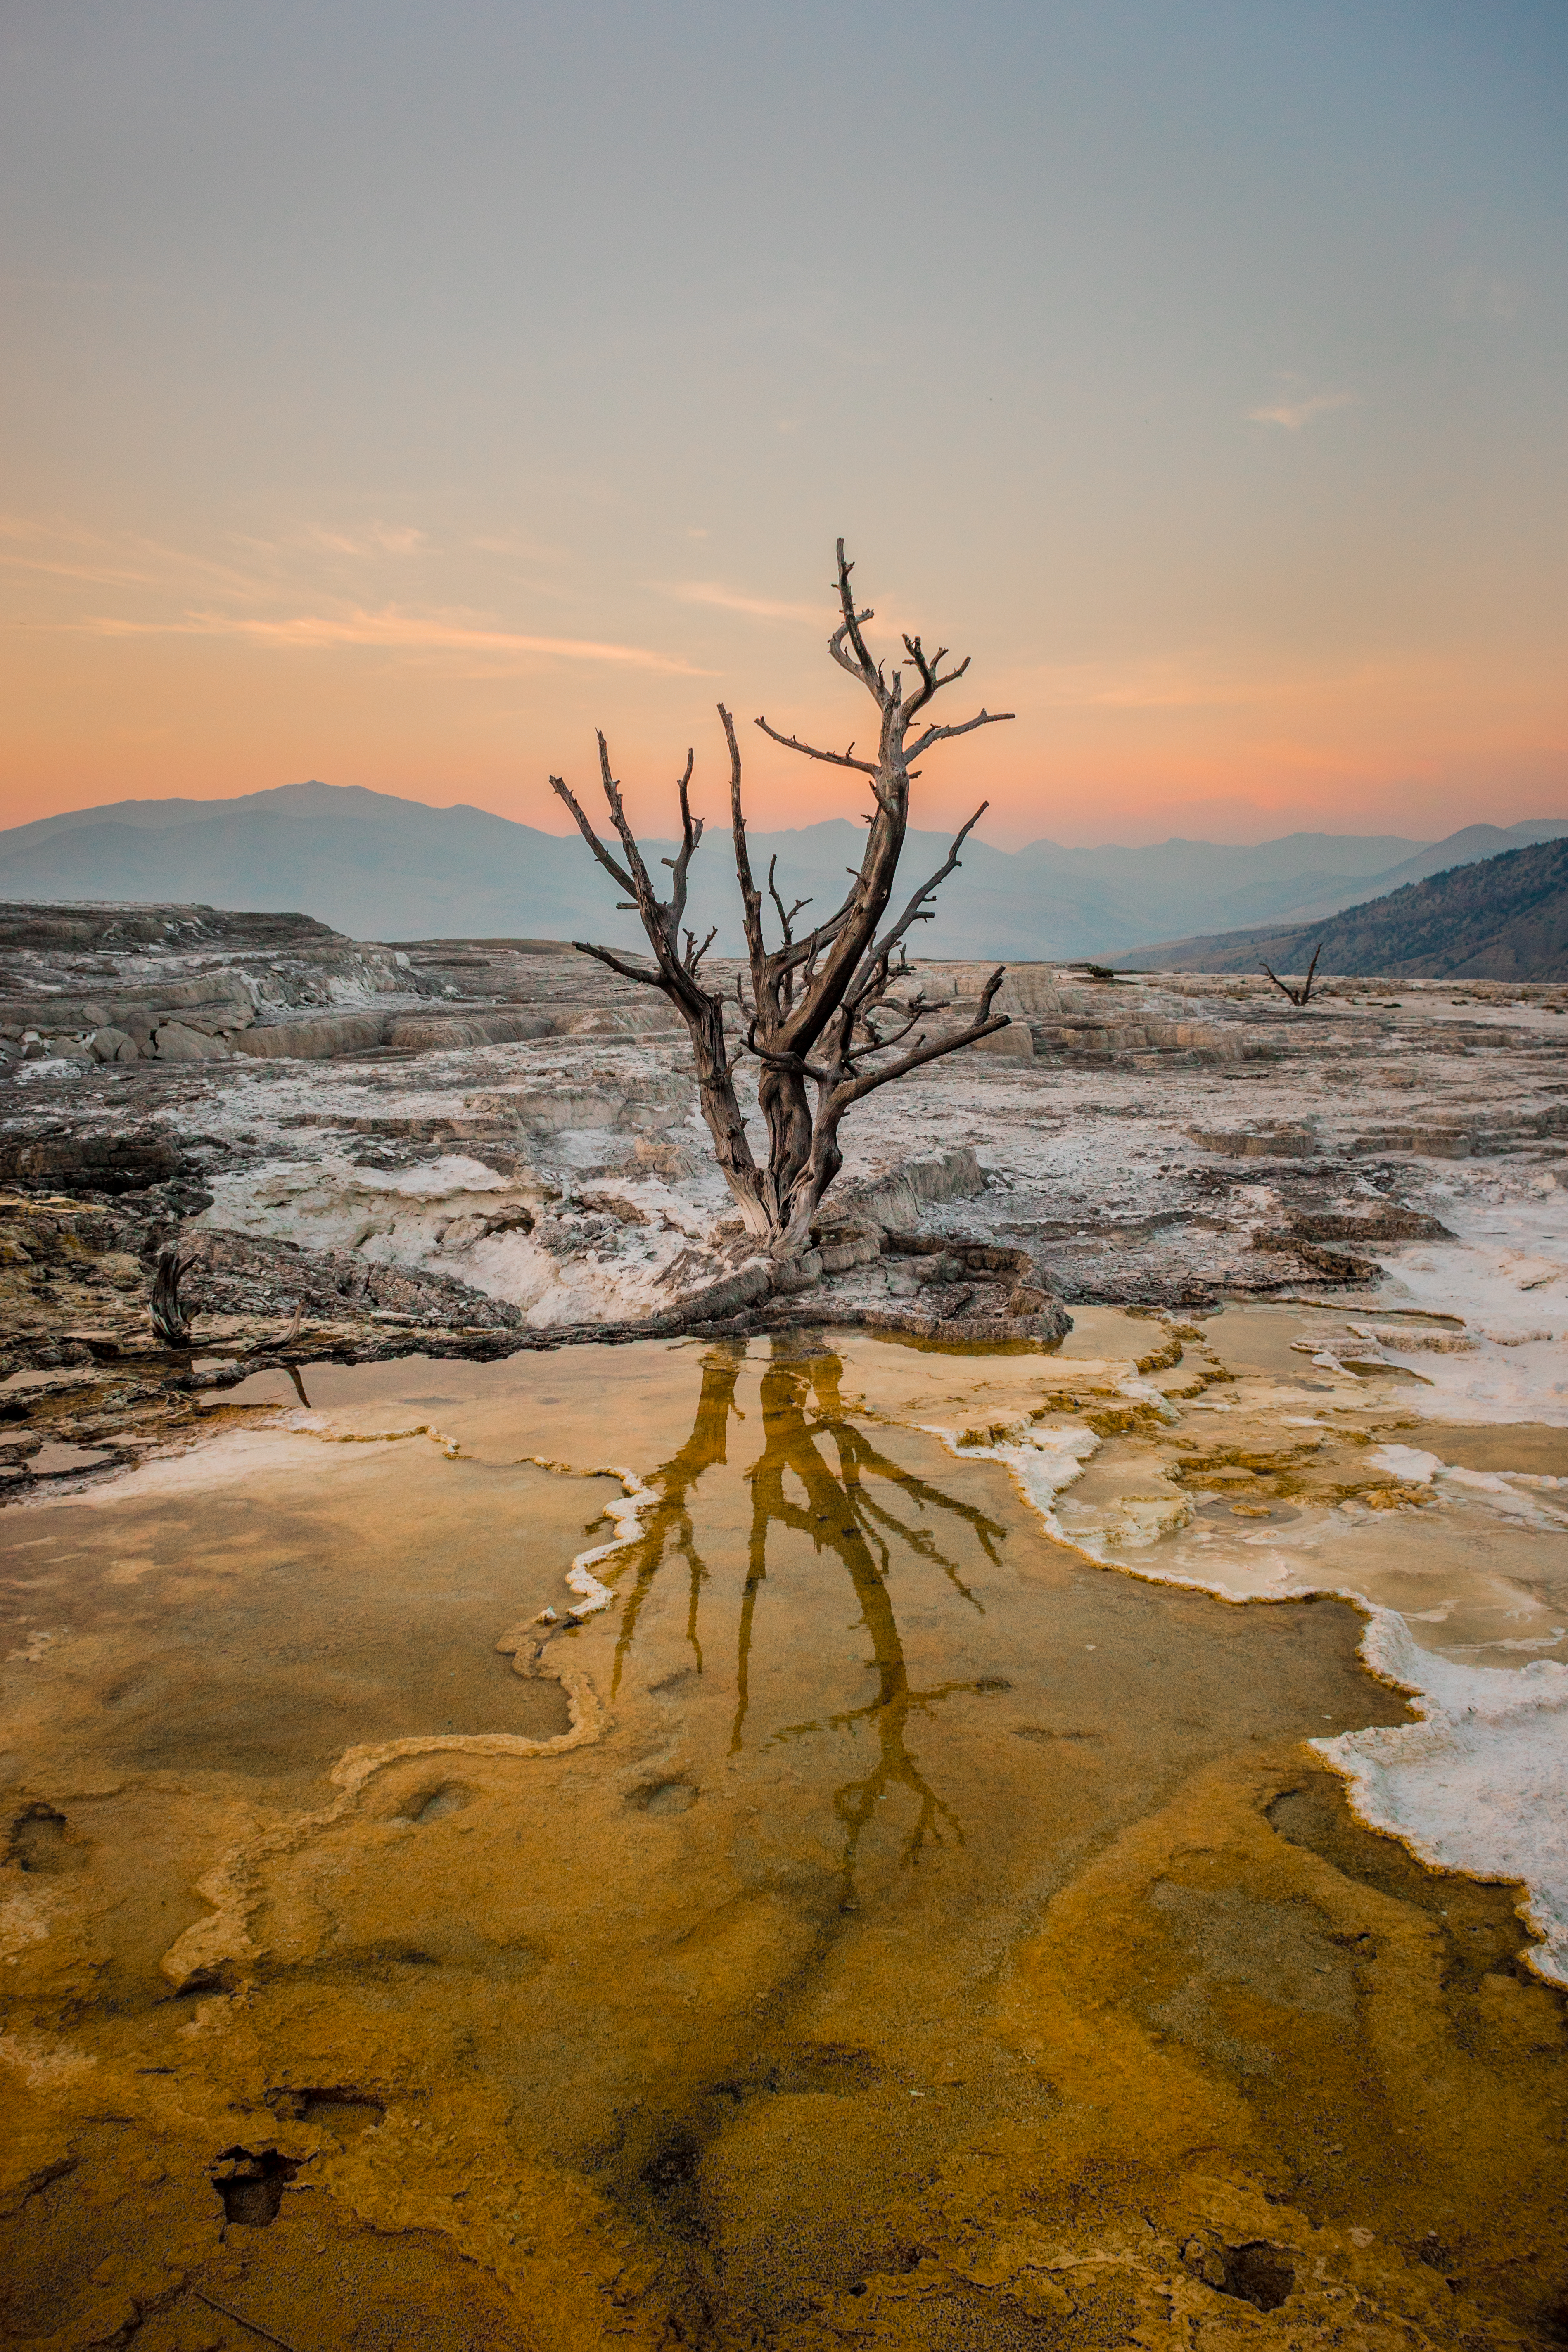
(1463,1572)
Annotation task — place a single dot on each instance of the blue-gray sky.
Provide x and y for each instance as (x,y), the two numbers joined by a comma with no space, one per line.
(396,392)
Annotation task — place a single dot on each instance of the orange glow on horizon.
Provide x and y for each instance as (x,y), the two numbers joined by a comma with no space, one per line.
(1098,751)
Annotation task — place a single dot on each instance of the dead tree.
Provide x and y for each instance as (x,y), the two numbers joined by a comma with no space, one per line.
(820,1016)
(170,1320)
(1302,995)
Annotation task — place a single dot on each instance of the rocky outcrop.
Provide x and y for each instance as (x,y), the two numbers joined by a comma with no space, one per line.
(110,1044)
(215,1004)
(647,1104)
(517,1116)
(449,1033)
(318,1040)
(162,980)
(176,1041)
(123,924)
(895,1204)
(124,1162)
(1256,1143)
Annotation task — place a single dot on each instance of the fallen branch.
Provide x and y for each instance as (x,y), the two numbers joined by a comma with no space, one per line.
(255,2326)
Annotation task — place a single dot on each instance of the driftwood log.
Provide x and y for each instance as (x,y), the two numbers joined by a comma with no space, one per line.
(170,1320)
(820,1016)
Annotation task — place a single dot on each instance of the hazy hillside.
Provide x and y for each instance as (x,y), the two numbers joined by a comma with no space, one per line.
(1467,848)
(1506,919)
(369,864)
(381,867)
(1235,883)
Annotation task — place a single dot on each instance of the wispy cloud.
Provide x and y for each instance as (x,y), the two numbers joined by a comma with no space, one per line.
(389,631)
(67,551)
(1294,413)
(312,589)
(731,600)
(377,539)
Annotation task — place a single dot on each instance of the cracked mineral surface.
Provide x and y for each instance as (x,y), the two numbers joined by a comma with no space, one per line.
(857,1815)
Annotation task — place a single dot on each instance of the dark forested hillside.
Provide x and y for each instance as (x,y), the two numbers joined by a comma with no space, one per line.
(1506,919)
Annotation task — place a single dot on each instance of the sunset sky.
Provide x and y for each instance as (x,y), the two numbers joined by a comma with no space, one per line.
(395,391)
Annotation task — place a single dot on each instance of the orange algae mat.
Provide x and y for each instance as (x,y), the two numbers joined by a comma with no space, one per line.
(875,1927)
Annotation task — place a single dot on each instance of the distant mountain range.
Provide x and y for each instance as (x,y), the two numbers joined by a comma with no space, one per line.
(1503,918)
(381,867)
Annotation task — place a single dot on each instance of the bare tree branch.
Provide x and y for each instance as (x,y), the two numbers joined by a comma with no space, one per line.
(931,682)
(626,971)
(786,1061)
(912,913)
(862,665)
(922,1012)
(690,836)
(985,1027)
(1302,995)
(1311,970)
(810,752)
(750,897)
(617,873)
(786,915)
(641,886)
(945,734)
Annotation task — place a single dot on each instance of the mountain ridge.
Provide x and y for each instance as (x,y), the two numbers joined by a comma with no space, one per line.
(376,864)
(1503,917)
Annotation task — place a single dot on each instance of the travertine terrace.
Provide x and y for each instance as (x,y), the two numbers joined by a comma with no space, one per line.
(766,1834)
(501,1135)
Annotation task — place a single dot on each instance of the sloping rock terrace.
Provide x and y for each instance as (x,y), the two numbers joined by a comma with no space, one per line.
(480,1145)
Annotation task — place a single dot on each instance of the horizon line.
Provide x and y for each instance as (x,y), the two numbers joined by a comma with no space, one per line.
(1173,840)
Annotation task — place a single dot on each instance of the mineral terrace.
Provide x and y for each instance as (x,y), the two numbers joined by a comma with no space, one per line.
(495,1144)
(710,1844)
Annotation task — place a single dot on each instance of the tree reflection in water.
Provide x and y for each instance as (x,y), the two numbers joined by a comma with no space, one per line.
(666,1526)
(808,1430)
